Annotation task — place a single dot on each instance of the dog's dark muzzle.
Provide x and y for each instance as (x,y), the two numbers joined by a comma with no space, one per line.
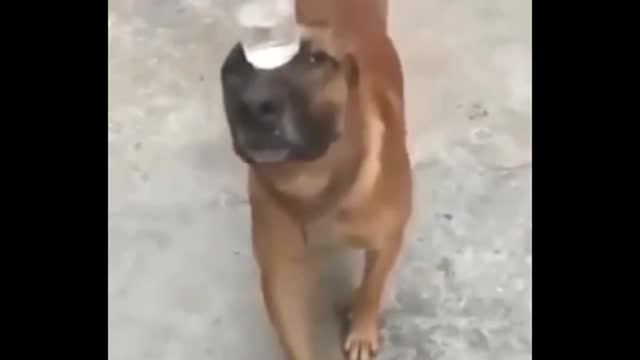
(261,127)
(269,119)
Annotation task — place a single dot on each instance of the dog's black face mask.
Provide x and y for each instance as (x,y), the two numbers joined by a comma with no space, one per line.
(291,113)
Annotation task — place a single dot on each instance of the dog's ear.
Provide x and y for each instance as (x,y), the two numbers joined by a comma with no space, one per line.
(345,50)
(351,69)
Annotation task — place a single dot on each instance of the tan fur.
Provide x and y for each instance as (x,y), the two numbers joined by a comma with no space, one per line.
(370,167)
(358,194)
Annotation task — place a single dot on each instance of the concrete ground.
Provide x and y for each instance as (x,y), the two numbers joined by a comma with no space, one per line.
(182,282)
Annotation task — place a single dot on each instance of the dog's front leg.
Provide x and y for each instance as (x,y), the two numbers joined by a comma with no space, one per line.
(286,275)
(362,339)
(286,291)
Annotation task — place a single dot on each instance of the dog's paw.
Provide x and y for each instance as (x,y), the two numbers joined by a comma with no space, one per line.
(362,342)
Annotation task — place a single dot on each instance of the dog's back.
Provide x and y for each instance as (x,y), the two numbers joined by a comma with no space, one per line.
(342,13)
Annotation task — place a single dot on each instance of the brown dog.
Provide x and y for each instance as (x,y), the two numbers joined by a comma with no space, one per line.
(324,137)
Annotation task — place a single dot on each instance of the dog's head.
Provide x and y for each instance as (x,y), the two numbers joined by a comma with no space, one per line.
(291,113)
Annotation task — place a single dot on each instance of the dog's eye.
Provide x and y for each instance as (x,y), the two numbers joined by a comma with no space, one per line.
(318,57)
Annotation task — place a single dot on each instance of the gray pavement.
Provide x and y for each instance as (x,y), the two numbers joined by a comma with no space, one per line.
(182,282)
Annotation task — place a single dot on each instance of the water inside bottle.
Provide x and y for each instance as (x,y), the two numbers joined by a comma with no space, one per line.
(269,34)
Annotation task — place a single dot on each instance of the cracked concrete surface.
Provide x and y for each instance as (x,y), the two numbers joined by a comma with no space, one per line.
(182,282)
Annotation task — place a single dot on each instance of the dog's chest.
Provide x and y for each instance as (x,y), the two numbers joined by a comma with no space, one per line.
(323,233)
(330,232)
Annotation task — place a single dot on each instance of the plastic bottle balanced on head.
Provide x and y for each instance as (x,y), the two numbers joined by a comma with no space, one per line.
(268,31)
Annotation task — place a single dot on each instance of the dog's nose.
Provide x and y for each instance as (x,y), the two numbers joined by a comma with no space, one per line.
(265,108)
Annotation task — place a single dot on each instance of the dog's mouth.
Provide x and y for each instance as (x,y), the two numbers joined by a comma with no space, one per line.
(267,156)
(268,150)
(257,148)
(277,155)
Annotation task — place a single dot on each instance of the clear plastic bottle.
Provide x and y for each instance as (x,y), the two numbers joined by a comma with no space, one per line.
(268,31)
